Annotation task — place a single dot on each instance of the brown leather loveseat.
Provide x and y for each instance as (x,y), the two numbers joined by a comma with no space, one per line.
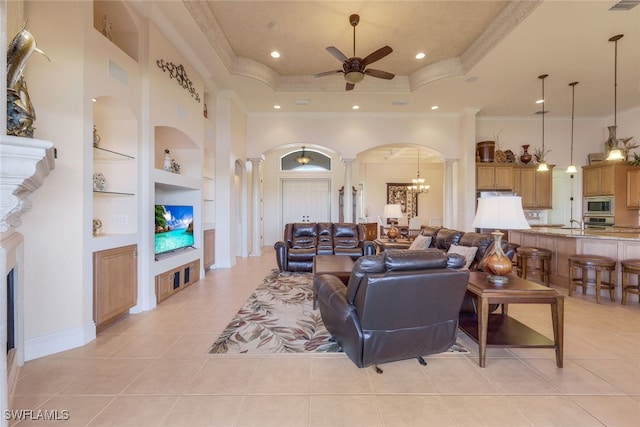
(397,305)
(304,240)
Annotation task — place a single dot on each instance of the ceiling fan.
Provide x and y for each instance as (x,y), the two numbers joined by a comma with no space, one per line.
(354,68)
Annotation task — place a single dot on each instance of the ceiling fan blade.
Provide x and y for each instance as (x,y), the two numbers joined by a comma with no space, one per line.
(377,55)
(327,73)
(379,74)
(335,52)
(350,86)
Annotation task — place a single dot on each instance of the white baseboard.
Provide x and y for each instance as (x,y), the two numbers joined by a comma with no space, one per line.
(45,345)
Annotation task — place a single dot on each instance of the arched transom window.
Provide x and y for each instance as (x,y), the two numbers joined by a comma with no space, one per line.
(305,160)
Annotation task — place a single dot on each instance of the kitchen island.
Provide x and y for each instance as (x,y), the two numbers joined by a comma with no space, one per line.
(615,243)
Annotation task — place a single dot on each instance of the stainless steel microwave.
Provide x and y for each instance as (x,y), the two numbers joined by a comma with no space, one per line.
(601,206)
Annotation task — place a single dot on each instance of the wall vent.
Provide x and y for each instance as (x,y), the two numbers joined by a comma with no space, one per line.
(625,5)
(118,73)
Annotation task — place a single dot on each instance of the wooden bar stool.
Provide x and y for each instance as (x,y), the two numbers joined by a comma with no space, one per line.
(533,261)
(630,266)
(598,264)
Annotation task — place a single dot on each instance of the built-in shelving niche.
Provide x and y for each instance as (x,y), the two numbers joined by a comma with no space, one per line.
(115,147)
(113,20)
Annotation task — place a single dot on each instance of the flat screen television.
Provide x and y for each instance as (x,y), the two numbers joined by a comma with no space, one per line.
(174,228)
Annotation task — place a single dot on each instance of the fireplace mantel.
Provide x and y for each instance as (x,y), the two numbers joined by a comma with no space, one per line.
(26,162)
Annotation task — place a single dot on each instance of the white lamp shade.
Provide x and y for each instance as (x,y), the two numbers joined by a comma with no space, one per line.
(504,213)
(542,167)
(393,211)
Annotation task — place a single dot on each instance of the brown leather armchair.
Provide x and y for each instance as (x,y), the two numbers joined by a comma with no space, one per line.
(304,240)
(397,305)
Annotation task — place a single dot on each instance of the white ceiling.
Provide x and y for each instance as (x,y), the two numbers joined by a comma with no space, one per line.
(480,54)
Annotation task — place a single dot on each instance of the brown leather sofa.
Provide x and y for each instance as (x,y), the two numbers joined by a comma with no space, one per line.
(442,238)
(397,305)
(304,240)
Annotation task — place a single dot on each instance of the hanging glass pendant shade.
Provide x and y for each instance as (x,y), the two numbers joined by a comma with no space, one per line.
(572,168)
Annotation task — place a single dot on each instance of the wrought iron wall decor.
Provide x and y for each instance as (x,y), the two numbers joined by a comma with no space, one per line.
(177,72)
(397,193)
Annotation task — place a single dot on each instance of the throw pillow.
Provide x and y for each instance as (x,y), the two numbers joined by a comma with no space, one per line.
(468,252)
(420,242)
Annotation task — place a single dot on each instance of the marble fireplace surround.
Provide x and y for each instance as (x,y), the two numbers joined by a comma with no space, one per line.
(24,165)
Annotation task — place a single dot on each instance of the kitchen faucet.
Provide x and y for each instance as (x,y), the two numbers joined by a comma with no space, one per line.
(580,223)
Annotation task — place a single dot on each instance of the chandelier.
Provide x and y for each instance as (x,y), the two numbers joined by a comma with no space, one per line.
(418,184)
(303,159)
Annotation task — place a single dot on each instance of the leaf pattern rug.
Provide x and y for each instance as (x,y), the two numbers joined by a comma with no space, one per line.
(279,317)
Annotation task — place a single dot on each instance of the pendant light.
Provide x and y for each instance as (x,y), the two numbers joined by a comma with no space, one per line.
(303,159)
(418,184)
(572,168)
(615,153)
(542,167)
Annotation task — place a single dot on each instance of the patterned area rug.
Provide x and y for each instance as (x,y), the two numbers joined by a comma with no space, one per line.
(279,318)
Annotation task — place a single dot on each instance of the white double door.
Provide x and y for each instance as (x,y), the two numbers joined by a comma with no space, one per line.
(306,200)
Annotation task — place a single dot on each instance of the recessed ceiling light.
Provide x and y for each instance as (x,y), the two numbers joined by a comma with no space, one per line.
(420,55)
(277,107)
(539,101)
(434,107)
(275,54)
(355,107)
(94,100)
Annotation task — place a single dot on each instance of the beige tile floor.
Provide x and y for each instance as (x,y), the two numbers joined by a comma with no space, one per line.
(152,369)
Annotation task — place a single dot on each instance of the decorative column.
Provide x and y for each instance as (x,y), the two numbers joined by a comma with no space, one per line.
(348,194)
(450,199)
(256,207)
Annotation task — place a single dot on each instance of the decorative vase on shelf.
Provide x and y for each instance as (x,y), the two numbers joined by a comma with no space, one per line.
(525,157)
(611,142)
(96,137)
(166,165)
(99,182)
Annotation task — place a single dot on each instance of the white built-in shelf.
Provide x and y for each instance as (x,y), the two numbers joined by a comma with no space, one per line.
(112,193)
(104,154)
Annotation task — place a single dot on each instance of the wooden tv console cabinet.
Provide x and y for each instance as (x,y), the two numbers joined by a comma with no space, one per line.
(176,279)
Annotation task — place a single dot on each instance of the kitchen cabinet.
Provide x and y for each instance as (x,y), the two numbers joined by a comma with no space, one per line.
(600,180)
(494,176)
(620,180)
(534,187)
(633,189)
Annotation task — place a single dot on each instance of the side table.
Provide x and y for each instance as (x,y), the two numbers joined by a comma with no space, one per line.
(500,330)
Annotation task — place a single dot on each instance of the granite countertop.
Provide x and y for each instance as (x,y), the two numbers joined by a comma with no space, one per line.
(613,233)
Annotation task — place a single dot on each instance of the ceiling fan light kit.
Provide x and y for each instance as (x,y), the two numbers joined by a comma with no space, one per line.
(354,77)
(354,68)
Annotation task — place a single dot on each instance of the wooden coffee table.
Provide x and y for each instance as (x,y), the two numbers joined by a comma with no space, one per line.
(336,265)
(500,330)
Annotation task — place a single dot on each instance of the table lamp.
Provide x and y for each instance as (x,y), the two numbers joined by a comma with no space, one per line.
(392,212)
(505,213)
